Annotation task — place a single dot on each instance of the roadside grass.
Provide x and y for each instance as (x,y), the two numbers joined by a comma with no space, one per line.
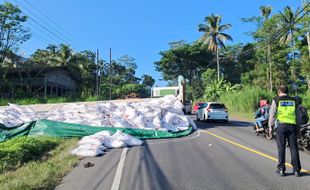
(241,116)
(43,172)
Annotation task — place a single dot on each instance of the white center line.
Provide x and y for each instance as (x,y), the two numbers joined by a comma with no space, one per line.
(119,171)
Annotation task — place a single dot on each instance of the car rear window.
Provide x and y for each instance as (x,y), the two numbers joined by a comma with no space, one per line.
(217,106)
(204,105)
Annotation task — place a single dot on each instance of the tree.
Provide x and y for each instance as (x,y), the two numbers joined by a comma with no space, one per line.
(214,35)
(148,80)
(65,54)
(187,60)
(265,12)
(12,31)
(128,62)
(289,21)
(216,88)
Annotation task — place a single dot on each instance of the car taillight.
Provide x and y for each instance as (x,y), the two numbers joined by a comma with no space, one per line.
(226,110)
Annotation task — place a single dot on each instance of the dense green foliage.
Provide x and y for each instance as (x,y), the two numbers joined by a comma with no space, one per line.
(245,100)
(20,150)
(185,59)
(42,173)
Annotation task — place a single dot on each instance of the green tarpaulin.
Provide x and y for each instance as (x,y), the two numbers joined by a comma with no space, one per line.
(67,130)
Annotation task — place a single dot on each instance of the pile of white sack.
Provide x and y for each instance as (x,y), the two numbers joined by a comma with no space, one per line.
(157,114)
(97,143)
(15,115)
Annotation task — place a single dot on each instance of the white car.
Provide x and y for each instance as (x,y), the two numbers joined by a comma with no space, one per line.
(212,111)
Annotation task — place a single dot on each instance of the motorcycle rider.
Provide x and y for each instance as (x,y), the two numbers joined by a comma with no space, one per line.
(262,114)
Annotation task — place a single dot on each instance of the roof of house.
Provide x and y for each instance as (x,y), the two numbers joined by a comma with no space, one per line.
(44,70)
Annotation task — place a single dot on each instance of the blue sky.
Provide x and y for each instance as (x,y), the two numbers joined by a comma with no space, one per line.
(138,28)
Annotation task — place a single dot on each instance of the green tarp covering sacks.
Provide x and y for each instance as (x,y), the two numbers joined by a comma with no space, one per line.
(68,130)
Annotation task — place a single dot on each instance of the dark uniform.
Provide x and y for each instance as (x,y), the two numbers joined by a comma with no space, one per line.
(283,114)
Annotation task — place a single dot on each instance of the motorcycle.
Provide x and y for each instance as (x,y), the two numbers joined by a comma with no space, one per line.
(304,140)
(264,132)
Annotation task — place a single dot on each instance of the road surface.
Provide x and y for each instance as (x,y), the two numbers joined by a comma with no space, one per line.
(217,156)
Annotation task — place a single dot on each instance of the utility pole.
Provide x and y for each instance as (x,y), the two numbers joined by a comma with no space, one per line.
(110,74)
(97,77)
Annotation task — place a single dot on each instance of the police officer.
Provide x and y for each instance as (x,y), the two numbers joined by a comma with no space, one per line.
(285,117)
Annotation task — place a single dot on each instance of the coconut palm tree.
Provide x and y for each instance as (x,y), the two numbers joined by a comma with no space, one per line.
(289,24)
(214,36)
(52,51)
(265,12)
(65,54)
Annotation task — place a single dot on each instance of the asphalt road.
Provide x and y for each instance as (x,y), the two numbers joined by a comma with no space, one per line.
(217,156)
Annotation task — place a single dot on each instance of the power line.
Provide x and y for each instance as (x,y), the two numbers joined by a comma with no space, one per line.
(56,25)
(40,38)
(43,32)
(60,29)
(42,26)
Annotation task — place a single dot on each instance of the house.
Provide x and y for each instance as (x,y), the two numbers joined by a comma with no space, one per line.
(36,82)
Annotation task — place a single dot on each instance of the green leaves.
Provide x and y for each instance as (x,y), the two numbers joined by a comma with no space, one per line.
(12,30)
(213,32)
(187,60)
(20,150)
(215,89)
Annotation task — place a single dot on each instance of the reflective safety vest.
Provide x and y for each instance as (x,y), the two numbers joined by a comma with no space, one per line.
(286,112)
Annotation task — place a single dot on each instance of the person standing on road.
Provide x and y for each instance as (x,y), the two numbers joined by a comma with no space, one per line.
(284,115)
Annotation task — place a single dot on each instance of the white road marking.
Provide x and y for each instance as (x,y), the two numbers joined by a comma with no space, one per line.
(119,171)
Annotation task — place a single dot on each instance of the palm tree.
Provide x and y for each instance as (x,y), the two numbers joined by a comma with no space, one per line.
(289,24)
(265,11)
(52,54)
(289,21)
(65,54)
(214,36)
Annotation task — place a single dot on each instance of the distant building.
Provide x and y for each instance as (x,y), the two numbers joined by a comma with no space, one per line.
(163,91)
(36,82)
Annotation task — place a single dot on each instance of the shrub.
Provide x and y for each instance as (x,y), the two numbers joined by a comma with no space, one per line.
(306,100)
(19,150)
(245,100)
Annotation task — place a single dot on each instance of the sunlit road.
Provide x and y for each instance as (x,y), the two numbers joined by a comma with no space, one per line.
(217,156)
